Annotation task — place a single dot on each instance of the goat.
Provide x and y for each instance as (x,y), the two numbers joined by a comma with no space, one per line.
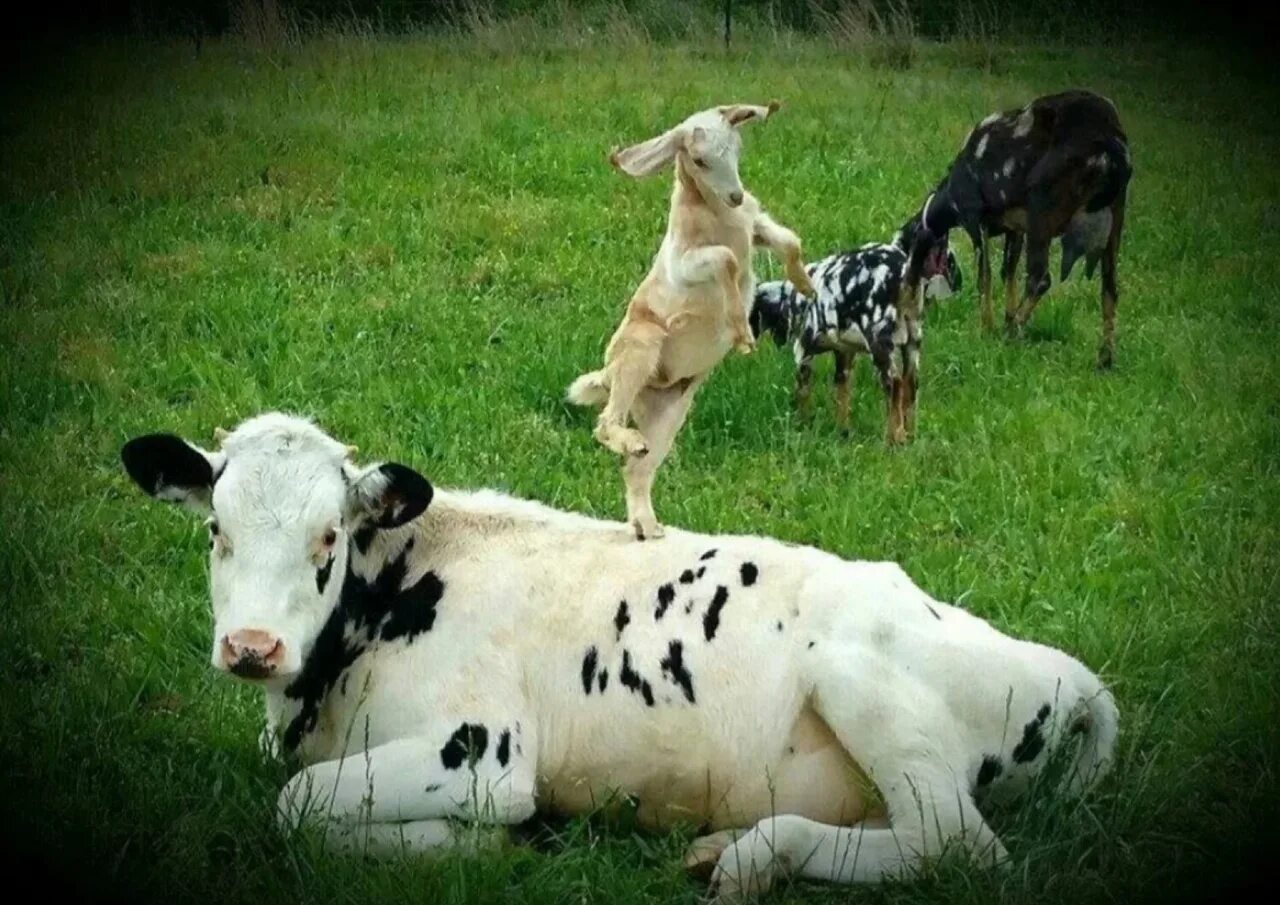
(1040,172)
(691,309)
(867,302)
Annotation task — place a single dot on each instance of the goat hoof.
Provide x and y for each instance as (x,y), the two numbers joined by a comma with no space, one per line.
(648,529)
(1106,359)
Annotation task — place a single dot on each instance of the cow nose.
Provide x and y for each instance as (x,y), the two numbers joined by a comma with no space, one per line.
(252,653)
(735,198)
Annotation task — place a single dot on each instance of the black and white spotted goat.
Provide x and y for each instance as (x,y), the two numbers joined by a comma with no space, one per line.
(866,303)
(427,655)
(1060,166)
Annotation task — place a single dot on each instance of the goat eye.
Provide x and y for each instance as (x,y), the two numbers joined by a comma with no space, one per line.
(329,538)
(701,162)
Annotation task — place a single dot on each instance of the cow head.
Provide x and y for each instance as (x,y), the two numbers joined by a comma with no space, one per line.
(282,501)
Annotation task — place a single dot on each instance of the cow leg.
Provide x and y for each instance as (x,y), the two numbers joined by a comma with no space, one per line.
(659,415)
(458,772)
(1009,274)
(416,837)
(1110,292)
(844,362)
(908,750)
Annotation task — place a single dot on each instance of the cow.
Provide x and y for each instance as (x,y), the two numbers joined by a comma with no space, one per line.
(429,654)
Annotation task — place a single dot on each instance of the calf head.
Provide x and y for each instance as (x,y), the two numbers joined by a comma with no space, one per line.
(283,500)
(704,148)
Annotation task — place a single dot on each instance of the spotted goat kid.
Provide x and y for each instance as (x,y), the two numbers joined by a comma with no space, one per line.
(428,655)
(867,302)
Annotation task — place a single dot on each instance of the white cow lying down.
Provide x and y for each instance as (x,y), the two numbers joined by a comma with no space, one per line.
(434,655)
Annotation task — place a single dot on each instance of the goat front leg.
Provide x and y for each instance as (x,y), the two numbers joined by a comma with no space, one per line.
(1009,275)
(407,788)
(719,265)
(786,245)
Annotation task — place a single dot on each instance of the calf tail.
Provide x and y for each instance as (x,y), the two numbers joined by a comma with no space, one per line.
(589,389)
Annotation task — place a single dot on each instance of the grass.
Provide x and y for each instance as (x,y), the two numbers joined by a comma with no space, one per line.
(417,241)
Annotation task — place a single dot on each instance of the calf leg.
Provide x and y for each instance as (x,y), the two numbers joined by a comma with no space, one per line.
(908,750)
(1009,274)
(453,772)
(1110,292)
(388,840)
(659,415)
(844,361)
(631,362)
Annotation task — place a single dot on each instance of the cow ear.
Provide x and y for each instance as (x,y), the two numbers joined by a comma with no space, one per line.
(173,470)
(386,496)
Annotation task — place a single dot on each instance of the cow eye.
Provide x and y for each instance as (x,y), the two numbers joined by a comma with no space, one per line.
(329,538)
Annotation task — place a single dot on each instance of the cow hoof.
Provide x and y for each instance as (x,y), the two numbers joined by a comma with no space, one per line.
(703,853)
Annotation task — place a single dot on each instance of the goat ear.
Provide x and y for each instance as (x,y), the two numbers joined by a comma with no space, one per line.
(386,496)
(648,157)
(173,470)
(737,114)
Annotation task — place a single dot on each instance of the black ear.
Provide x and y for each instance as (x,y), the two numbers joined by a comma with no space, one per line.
(171,469)
(390,495)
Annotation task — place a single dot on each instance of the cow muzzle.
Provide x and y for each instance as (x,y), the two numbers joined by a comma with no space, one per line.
(252,653)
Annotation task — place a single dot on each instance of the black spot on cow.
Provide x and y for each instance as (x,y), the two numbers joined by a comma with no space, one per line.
(702,570)
(779,625)
(504,747)
(686,577)
(711,621)
(666,594)
(673,667)
(589,668)
(468,743)
(602,681)
(633,681)
(811,644)
(710,553)
(990,769)
(368,612)
(1032,742)
(364,538)
(323,573)
(432,787)
(621,618)
(749,574)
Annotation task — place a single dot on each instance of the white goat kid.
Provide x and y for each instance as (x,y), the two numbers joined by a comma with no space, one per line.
(437,655)
(692,307)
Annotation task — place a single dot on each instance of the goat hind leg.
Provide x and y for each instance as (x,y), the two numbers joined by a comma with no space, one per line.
(633,360)
(659,415)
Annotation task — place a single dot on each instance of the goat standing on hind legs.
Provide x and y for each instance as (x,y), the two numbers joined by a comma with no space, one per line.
(692,307)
